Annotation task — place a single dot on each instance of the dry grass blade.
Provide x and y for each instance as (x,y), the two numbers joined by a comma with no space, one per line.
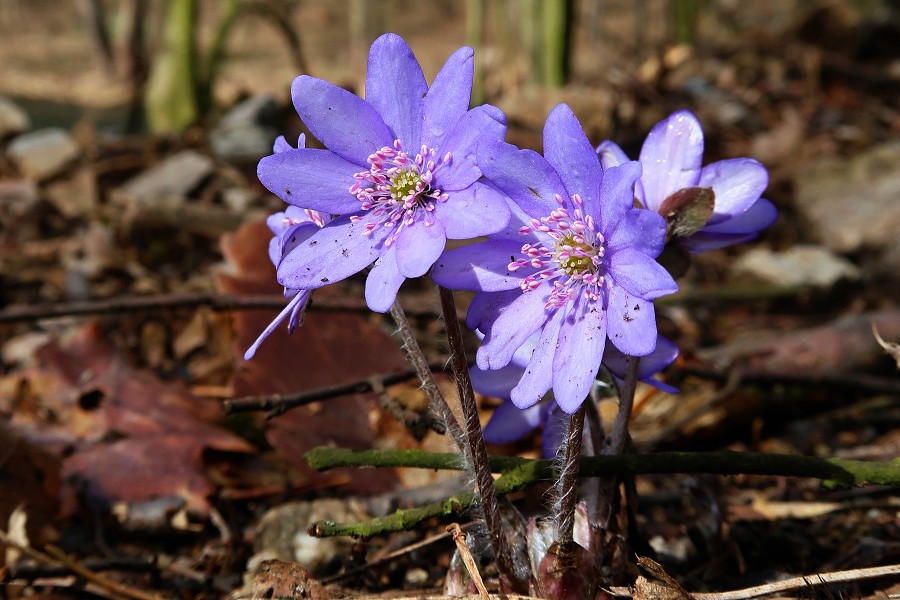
(786,585)
(56,556)
(460,539)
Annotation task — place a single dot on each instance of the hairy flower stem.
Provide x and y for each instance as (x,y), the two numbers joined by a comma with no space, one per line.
(567,486)
(418,361)
(618,437)
(475,448)
(609,500)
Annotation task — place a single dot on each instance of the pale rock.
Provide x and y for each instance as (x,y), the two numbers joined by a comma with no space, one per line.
(799,266)
(13,120)
(853,204)
(170,180)
(247,131)
(43,153)
(281,532)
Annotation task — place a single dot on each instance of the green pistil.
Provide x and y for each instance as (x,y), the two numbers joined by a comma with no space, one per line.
(574,264)
(403,184)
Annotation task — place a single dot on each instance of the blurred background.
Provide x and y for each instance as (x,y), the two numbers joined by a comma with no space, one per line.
(129,208)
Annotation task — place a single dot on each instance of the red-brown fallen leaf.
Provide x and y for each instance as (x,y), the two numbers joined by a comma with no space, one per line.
(330,348)
(166,465)
(29,477)
(82,392)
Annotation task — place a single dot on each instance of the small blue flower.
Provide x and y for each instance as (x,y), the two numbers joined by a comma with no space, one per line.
(672,158)
(290,228)
(576,264)
(399,169)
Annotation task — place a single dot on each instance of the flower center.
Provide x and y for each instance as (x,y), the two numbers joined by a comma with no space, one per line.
(573,255)
(399,188)
(573,259)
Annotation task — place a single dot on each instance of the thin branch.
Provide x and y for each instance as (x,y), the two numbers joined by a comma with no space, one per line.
(849,381)
(278,404)
(55,556)
(417,359)
(522,473)
(835,472)
(226,302)
(217,302)
(519,478)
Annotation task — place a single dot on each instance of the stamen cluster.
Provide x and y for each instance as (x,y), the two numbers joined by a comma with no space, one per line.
(312,216)
(399,187)
(575,260)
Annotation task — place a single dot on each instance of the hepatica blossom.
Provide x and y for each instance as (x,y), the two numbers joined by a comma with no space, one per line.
(289,228)
(399,169)
(672,157)
(576,264)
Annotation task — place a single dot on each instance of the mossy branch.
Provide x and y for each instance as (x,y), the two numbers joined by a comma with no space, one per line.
(518,478)
(835,472)
(522,473)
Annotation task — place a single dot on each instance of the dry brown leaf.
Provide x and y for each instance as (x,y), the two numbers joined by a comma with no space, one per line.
(82,393)
(331,348)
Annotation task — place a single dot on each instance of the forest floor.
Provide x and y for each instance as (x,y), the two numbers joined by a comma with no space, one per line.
(129,293)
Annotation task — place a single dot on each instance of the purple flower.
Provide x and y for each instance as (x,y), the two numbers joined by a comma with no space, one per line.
(672,158)
(576,264)
(290,228)
(399,168)
(509,423)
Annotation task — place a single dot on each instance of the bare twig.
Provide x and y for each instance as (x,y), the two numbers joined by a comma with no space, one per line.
(848,381)
(405,550)
(471,566)
(56,556)
(217,302)
(113,586)
(277,404)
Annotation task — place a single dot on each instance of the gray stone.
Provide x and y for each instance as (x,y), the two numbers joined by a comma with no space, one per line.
(246,132)
(170,180)
(13,120)
(853,204)
(801,265)
(282,531)
(43,153)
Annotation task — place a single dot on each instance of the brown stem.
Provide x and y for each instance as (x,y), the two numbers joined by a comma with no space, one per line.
(475,448)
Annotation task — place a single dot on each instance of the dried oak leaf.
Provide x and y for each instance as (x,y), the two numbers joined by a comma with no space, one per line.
(329,349)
